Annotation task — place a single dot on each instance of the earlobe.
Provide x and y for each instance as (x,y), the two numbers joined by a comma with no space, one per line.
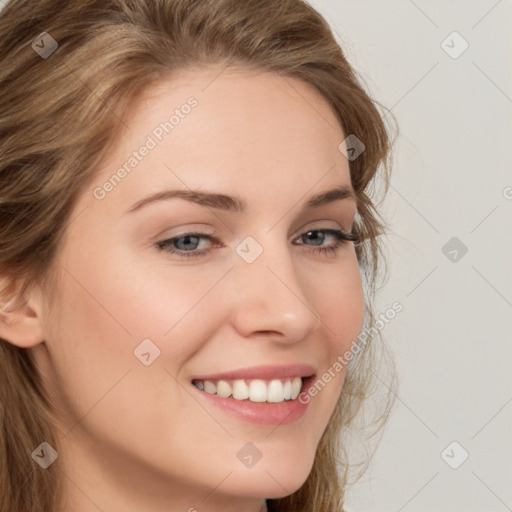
(20,324)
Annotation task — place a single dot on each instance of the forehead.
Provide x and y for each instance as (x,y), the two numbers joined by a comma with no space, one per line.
(234,129)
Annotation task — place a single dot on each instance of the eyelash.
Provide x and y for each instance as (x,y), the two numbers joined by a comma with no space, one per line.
(340,235)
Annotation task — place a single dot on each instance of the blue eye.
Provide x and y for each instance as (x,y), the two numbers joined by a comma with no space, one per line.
(186,245)
(318,236)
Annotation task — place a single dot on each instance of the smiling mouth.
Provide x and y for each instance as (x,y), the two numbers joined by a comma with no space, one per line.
(254,390)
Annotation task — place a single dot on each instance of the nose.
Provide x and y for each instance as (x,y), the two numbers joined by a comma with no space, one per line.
(271,299)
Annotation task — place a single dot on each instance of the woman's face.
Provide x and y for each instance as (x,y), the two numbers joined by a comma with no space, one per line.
(195,264)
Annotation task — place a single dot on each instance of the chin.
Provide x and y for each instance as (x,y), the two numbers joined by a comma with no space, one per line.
(272,480)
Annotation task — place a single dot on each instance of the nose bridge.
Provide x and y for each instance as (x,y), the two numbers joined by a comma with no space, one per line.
(270,295)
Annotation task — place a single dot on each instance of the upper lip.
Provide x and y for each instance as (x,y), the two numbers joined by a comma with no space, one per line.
(262,372)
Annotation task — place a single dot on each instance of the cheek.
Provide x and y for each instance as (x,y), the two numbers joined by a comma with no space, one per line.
(103,309)
(97,380)
(89,347)
(338,299)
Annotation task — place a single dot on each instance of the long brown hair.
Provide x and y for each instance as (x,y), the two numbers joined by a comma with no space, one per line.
(59,114)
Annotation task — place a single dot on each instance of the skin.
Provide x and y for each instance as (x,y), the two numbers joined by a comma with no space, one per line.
(132,436)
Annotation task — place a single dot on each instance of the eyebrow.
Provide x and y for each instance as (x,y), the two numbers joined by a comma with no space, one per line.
(237,204)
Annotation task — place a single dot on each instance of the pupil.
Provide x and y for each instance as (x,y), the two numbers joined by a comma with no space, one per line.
(315,238)
(187,242)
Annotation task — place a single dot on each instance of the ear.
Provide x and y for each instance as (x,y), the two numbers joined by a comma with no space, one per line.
(20,318)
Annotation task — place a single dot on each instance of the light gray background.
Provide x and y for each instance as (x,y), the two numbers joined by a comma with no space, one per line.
(453,162)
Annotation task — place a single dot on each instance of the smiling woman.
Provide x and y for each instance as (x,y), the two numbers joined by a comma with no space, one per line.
(179,337)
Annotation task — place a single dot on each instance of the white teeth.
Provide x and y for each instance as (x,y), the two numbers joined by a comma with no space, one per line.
(296,385)
(257,391)
(287,391)
(223,389)
(240,390)
(274,391)
(210,387)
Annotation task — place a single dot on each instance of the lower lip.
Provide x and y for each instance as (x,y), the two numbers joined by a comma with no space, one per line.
(261,413)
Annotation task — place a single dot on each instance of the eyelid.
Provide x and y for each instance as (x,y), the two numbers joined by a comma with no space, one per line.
(187,229)
(190,231)
(321,225)
(203,235)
